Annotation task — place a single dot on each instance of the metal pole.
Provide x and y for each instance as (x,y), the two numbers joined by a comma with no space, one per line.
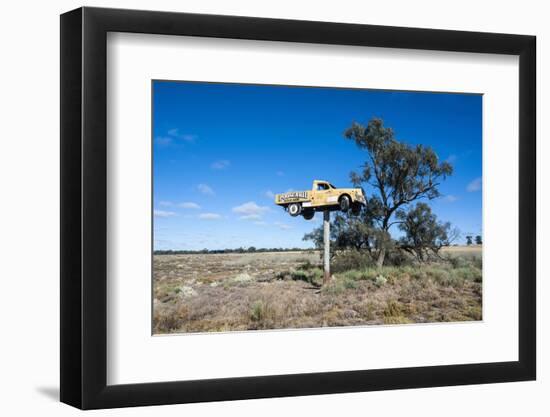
(326,245)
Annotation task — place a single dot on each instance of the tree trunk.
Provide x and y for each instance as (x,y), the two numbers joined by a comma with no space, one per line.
(383,243)
(381,256)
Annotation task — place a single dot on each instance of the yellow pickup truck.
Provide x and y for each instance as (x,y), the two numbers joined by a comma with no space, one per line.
(322,196)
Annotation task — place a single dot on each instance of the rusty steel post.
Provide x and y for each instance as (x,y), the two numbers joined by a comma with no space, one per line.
(326,245)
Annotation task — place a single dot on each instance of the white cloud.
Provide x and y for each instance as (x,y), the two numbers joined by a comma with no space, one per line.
(269,194)
(283,226)
(222,164)
(189,205)
(251,217)
(451,158)
(163,213)
(250,209)
(450,198)
(475,185)
(186,137)
(174,135)
(205,189)
(209,216)
(260,223)
(166,204)
(163,140)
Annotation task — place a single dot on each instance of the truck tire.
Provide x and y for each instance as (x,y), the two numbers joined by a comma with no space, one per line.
(345,203)
(356,209)
(308,215)
(294,209)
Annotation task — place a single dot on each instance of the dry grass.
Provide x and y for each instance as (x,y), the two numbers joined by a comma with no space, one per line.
(224,292)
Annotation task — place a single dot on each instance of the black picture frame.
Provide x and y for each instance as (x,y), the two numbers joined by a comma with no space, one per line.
(84,207)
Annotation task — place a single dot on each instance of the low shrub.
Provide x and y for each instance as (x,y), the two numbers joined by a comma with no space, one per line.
(380,280)
(397,320)
(349,284)
(258,311)
(397,258)
(392,309)
(312,276)
(468,273)
(351,259)
(306,266)
(333,289)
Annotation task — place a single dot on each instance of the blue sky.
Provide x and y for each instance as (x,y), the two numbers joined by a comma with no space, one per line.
(220,152)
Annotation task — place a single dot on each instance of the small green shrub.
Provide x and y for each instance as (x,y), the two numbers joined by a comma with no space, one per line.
(334,288)
(306,266)
(299,276)
(349,284)
(258,311)
(283,275)
(456,261)
(397,258)
(351,259)
(380,280)
(360,274)
(312,276)
(469,273)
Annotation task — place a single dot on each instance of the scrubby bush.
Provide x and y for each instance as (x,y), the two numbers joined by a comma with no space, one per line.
(258,311)
(351,259)
(398,258)
(349,284)
(397,320)
(380,280)
(393,308)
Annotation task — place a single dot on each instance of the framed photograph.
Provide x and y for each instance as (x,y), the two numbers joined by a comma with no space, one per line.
(258,208)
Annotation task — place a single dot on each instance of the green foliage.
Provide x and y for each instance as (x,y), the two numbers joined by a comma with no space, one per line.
(261,313)
(424,235)
(340,284)
(334,288)
(312,275)
(257,311)
(306,266)
(399,174)
(351,259)
(350,284)
(380,280)
(347,232)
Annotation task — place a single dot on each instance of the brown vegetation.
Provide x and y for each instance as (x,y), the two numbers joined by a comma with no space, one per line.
(250,291)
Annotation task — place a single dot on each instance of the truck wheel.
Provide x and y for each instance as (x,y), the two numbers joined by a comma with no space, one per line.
(344,203)
(294,209)
(356,209)
(308,215)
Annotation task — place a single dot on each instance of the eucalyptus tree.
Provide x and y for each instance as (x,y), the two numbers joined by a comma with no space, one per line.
(396,174)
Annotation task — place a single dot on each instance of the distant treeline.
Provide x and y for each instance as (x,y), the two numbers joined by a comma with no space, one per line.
(250,249)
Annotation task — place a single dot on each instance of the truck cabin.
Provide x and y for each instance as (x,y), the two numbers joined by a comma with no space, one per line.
(322,186)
